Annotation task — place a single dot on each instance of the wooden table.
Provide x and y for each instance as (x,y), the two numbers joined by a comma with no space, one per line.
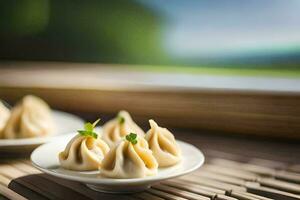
(235,168)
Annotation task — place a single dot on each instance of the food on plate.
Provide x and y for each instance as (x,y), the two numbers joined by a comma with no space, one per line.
(85,151)
(4,115)
(31,117)
(163,145)
(130,158)
(115,129)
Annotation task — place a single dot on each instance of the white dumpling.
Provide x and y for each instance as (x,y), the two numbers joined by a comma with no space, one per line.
(115,129)
(163,145)
(83,153)
(29,118)
(4,115)
(127,160)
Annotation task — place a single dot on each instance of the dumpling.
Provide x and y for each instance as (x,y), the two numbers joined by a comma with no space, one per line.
(29,118)
(83,153)
(4,115)
(129,160)
(115,129)
(163,145)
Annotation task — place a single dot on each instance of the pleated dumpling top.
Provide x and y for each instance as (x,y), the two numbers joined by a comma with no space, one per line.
(4,115)
(163,145)
(129,160)
(29,118)
(115,129)
(83,153)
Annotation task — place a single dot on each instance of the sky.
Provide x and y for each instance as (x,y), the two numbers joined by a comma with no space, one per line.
(213,28)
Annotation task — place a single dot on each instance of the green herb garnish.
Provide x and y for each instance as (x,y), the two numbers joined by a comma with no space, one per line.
(121,119)
(132,137)
(89,129)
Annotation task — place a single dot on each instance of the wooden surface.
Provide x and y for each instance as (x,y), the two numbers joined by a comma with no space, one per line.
(105,91)
(235,168)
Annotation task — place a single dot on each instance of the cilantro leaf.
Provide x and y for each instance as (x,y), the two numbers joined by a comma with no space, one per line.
(89,129)
(128,138)
(132,137)
(88,133)
(88,126)
(134,141)
(82,132)
(121,119)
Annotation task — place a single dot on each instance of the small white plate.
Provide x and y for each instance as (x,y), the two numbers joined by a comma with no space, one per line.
(45,158)
(64,122)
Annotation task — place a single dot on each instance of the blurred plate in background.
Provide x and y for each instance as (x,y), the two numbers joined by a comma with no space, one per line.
(65,123)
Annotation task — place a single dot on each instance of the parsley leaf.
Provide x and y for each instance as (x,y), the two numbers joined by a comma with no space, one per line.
(89,129)
(132,137)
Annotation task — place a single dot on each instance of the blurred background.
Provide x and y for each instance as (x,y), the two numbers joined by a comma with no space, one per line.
(258,34)
(228,65)
(223,75)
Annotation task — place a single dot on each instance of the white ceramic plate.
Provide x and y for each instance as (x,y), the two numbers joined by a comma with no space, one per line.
(45,158)
(65,123)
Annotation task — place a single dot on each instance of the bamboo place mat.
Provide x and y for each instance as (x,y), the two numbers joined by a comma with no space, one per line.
(235,168)
(219,179)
